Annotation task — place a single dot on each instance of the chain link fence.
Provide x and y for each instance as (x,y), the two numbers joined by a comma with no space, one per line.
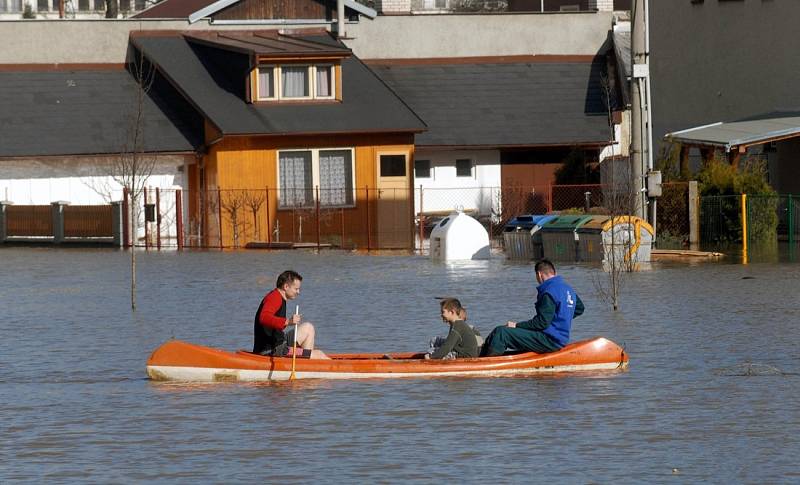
(769,219)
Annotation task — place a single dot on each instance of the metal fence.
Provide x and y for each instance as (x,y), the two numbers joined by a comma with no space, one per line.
(769,218)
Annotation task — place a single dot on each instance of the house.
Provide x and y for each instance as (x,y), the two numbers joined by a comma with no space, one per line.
(705,71)
(496,122)
(296,117)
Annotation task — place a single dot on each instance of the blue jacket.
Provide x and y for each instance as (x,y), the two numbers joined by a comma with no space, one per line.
(566,302)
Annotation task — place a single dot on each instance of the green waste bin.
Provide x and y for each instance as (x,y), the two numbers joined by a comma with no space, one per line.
(590,238)
(559,239)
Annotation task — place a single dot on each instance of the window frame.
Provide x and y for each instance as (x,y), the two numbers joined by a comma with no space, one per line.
(471,168)
(311,82)
(390,153)
(275,82)
(333,80)
(315,176)
(430,169)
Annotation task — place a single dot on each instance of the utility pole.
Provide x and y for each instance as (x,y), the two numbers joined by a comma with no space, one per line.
(641,132)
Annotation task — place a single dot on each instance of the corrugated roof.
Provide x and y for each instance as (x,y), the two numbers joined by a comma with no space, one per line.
(214,81)
(75,112)
(267,43)
(744,132)
(504,104)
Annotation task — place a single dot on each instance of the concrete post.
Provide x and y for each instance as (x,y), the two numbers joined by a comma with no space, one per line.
(3,223)
(117,226)
(694,216)
(57,210)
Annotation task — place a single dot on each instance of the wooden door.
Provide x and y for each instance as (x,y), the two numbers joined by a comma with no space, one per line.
(394,200)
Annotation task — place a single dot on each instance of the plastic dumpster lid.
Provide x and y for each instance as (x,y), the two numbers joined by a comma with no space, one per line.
(542,220)
(629,220)
(594,223)
(566,222)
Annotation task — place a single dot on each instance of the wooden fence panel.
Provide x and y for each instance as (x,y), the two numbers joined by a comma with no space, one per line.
(29,221)
(88,221)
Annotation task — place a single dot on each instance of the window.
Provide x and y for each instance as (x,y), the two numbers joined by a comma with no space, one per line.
(266,82)
(99,5)
(464,168)
(393,165)
(294,81)
(422,169)
(124,5)
(83,5)
(300,172)
(324,83)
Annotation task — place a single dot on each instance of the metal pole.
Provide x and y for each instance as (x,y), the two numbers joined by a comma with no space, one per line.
(179,217)
(219,215)
(269,226)
(341,245)
(369,226)
(549,197)
(421,219)
(791,221)
(125,219)
(146,232)
(158,218)
(318,225)
(744,228)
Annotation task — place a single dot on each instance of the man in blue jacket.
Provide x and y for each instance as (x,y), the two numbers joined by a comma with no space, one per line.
(548,331)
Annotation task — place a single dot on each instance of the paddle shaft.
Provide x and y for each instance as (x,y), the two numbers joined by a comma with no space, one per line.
(294,344)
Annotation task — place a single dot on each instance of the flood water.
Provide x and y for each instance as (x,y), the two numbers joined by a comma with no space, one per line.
(711,395)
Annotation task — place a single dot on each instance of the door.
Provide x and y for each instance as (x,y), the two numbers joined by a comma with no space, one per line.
(394,200)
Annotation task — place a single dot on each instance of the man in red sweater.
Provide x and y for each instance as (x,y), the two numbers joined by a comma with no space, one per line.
(271,335)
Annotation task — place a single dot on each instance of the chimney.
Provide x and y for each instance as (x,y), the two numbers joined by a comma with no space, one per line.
(601,5)
(340,32)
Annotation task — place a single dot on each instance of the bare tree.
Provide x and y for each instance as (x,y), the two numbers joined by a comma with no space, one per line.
(233,202)
(254,200)
(133,166)
(619,199)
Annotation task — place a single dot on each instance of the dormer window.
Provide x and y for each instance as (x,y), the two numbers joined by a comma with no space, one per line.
(293,82)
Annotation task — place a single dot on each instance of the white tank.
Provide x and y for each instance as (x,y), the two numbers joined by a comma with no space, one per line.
(458,237)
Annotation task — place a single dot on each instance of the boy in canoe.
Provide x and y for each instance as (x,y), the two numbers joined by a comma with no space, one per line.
(270,334)
(548,331)
(461,341)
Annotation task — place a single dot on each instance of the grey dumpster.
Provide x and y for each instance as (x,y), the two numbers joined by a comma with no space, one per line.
(559,240)
(522,238)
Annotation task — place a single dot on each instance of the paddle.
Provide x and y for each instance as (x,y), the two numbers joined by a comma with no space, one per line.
(294,344)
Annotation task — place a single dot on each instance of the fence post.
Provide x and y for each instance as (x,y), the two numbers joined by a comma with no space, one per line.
(57,211)
(694,216)
(125,218)
(158,219)
(117,224)
(744,228)
(146,231)
(318,224)
(549,198)
(179,217)
(791,221)
(421,220)
(369,225)
(341,245)
(269,226)
(3,223)
(219,215)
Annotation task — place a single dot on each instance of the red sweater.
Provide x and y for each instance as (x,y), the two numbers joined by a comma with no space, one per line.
(273,311)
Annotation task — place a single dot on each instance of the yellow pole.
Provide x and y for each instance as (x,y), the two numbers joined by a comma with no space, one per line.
(294,344)
(744,228)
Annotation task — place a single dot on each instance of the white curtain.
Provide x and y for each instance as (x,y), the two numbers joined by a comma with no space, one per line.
(294,81)
(266,83)
(335,177)
(324,81)
(295,179)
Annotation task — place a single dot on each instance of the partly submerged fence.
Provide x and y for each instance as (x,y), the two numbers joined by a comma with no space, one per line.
(749,219)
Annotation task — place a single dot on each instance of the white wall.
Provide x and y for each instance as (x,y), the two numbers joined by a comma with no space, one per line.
(87,181)
(444,191)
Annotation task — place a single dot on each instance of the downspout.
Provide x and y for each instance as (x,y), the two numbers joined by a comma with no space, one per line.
(340,32)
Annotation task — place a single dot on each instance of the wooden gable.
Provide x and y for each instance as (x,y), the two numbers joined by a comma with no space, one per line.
(278,9)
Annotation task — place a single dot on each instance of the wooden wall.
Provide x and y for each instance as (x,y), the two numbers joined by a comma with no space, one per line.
(278,9)
(248,166)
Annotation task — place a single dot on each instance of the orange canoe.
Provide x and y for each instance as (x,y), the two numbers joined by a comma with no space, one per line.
(182,361)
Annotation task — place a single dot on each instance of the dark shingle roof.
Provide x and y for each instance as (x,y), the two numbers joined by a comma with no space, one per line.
(503,104)
(76,112)
(215,83)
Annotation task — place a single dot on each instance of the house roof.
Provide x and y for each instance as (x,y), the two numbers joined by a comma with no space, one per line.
(83,112)
(195,10)
(213,81)
(503,102)
(268,43)
(753,130)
